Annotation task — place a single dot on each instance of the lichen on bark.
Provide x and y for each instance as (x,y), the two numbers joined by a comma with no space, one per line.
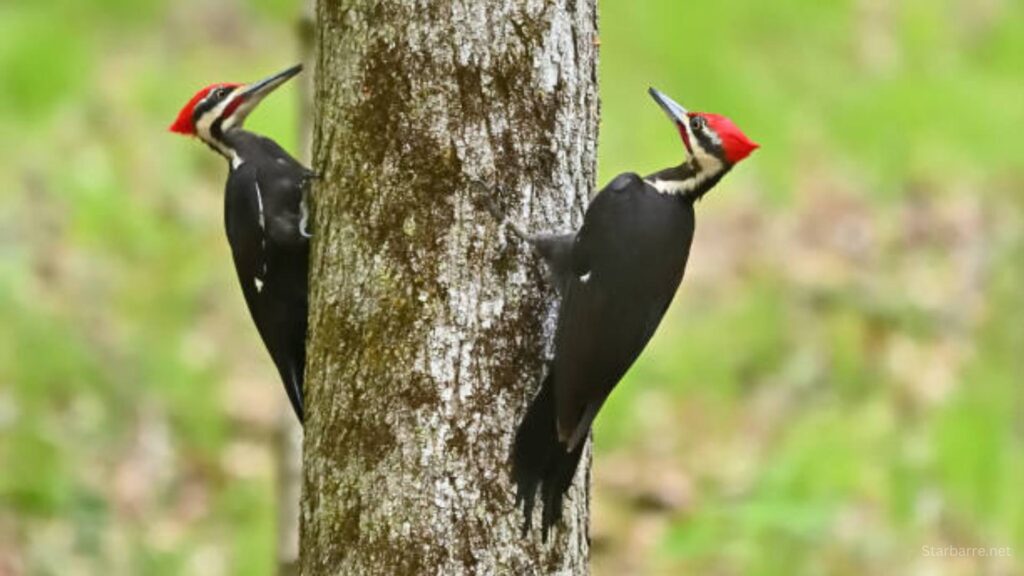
(428,327)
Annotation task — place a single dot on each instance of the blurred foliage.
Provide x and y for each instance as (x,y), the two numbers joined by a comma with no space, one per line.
(129,443)
(836,386)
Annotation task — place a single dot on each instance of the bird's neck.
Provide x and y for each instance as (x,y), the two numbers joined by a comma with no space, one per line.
(690,180)
(227,144)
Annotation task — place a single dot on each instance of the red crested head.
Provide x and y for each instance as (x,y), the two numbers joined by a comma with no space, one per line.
(218,109)
(734,143)
(707,137)
(185,122)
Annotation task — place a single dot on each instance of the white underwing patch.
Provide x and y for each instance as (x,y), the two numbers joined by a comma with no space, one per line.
(259,203)
(263,228)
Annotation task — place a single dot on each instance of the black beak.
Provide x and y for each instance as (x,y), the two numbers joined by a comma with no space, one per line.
(258,90)
(673,109)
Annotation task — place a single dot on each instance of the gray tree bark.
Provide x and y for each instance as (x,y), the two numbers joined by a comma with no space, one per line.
(428,325)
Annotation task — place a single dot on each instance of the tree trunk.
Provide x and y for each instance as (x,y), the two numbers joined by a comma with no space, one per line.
(428,326)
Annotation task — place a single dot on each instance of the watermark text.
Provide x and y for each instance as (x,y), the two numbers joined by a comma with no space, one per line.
(966,551)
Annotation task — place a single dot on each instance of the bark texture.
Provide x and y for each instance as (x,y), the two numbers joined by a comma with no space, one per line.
(428,325)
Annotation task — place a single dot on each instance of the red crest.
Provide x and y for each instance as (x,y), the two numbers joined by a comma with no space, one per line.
(735,143)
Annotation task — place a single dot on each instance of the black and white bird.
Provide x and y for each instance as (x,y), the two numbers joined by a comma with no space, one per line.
(266,217)
(616,276)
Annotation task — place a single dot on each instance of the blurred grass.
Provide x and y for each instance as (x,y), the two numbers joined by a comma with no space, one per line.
(837,385)
(121,339)
(840,376)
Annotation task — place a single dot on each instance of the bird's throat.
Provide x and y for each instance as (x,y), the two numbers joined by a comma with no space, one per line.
(220,142)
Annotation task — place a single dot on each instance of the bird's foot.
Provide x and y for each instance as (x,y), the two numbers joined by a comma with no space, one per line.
(309,177)
(491,205)
(484,198)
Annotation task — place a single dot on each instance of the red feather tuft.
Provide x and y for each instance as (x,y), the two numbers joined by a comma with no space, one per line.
(734,142)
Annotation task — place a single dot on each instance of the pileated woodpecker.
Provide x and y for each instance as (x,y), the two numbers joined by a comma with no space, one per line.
(266,218)
(616,275)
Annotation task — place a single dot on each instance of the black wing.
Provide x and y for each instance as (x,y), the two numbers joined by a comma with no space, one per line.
(264,221)
(629,258)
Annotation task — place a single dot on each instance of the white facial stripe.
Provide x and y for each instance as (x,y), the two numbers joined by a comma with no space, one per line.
(204,127)
(205,122)
(239,114)
(711,135)
(709,163)
(205,99)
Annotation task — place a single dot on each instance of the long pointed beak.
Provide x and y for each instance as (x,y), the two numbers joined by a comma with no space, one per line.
(673,109)
(257,90)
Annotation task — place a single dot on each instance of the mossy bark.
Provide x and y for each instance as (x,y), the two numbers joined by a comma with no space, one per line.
(428,327)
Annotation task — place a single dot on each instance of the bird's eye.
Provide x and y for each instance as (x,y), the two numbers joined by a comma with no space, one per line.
(221,92)
(696,123)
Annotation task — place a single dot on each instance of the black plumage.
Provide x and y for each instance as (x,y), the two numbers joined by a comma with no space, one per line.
(616,276)
(265,219)
(605,319)
(265,215)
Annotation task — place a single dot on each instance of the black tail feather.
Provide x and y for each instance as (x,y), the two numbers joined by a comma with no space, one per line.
(539,460)
(293,386)
(557,483)
(292,377)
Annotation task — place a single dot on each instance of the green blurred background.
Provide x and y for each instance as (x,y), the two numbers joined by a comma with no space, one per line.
(837,387)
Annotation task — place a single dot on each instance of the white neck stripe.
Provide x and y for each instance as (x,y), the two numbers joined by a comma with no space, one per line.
(708,166)
(676,186)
